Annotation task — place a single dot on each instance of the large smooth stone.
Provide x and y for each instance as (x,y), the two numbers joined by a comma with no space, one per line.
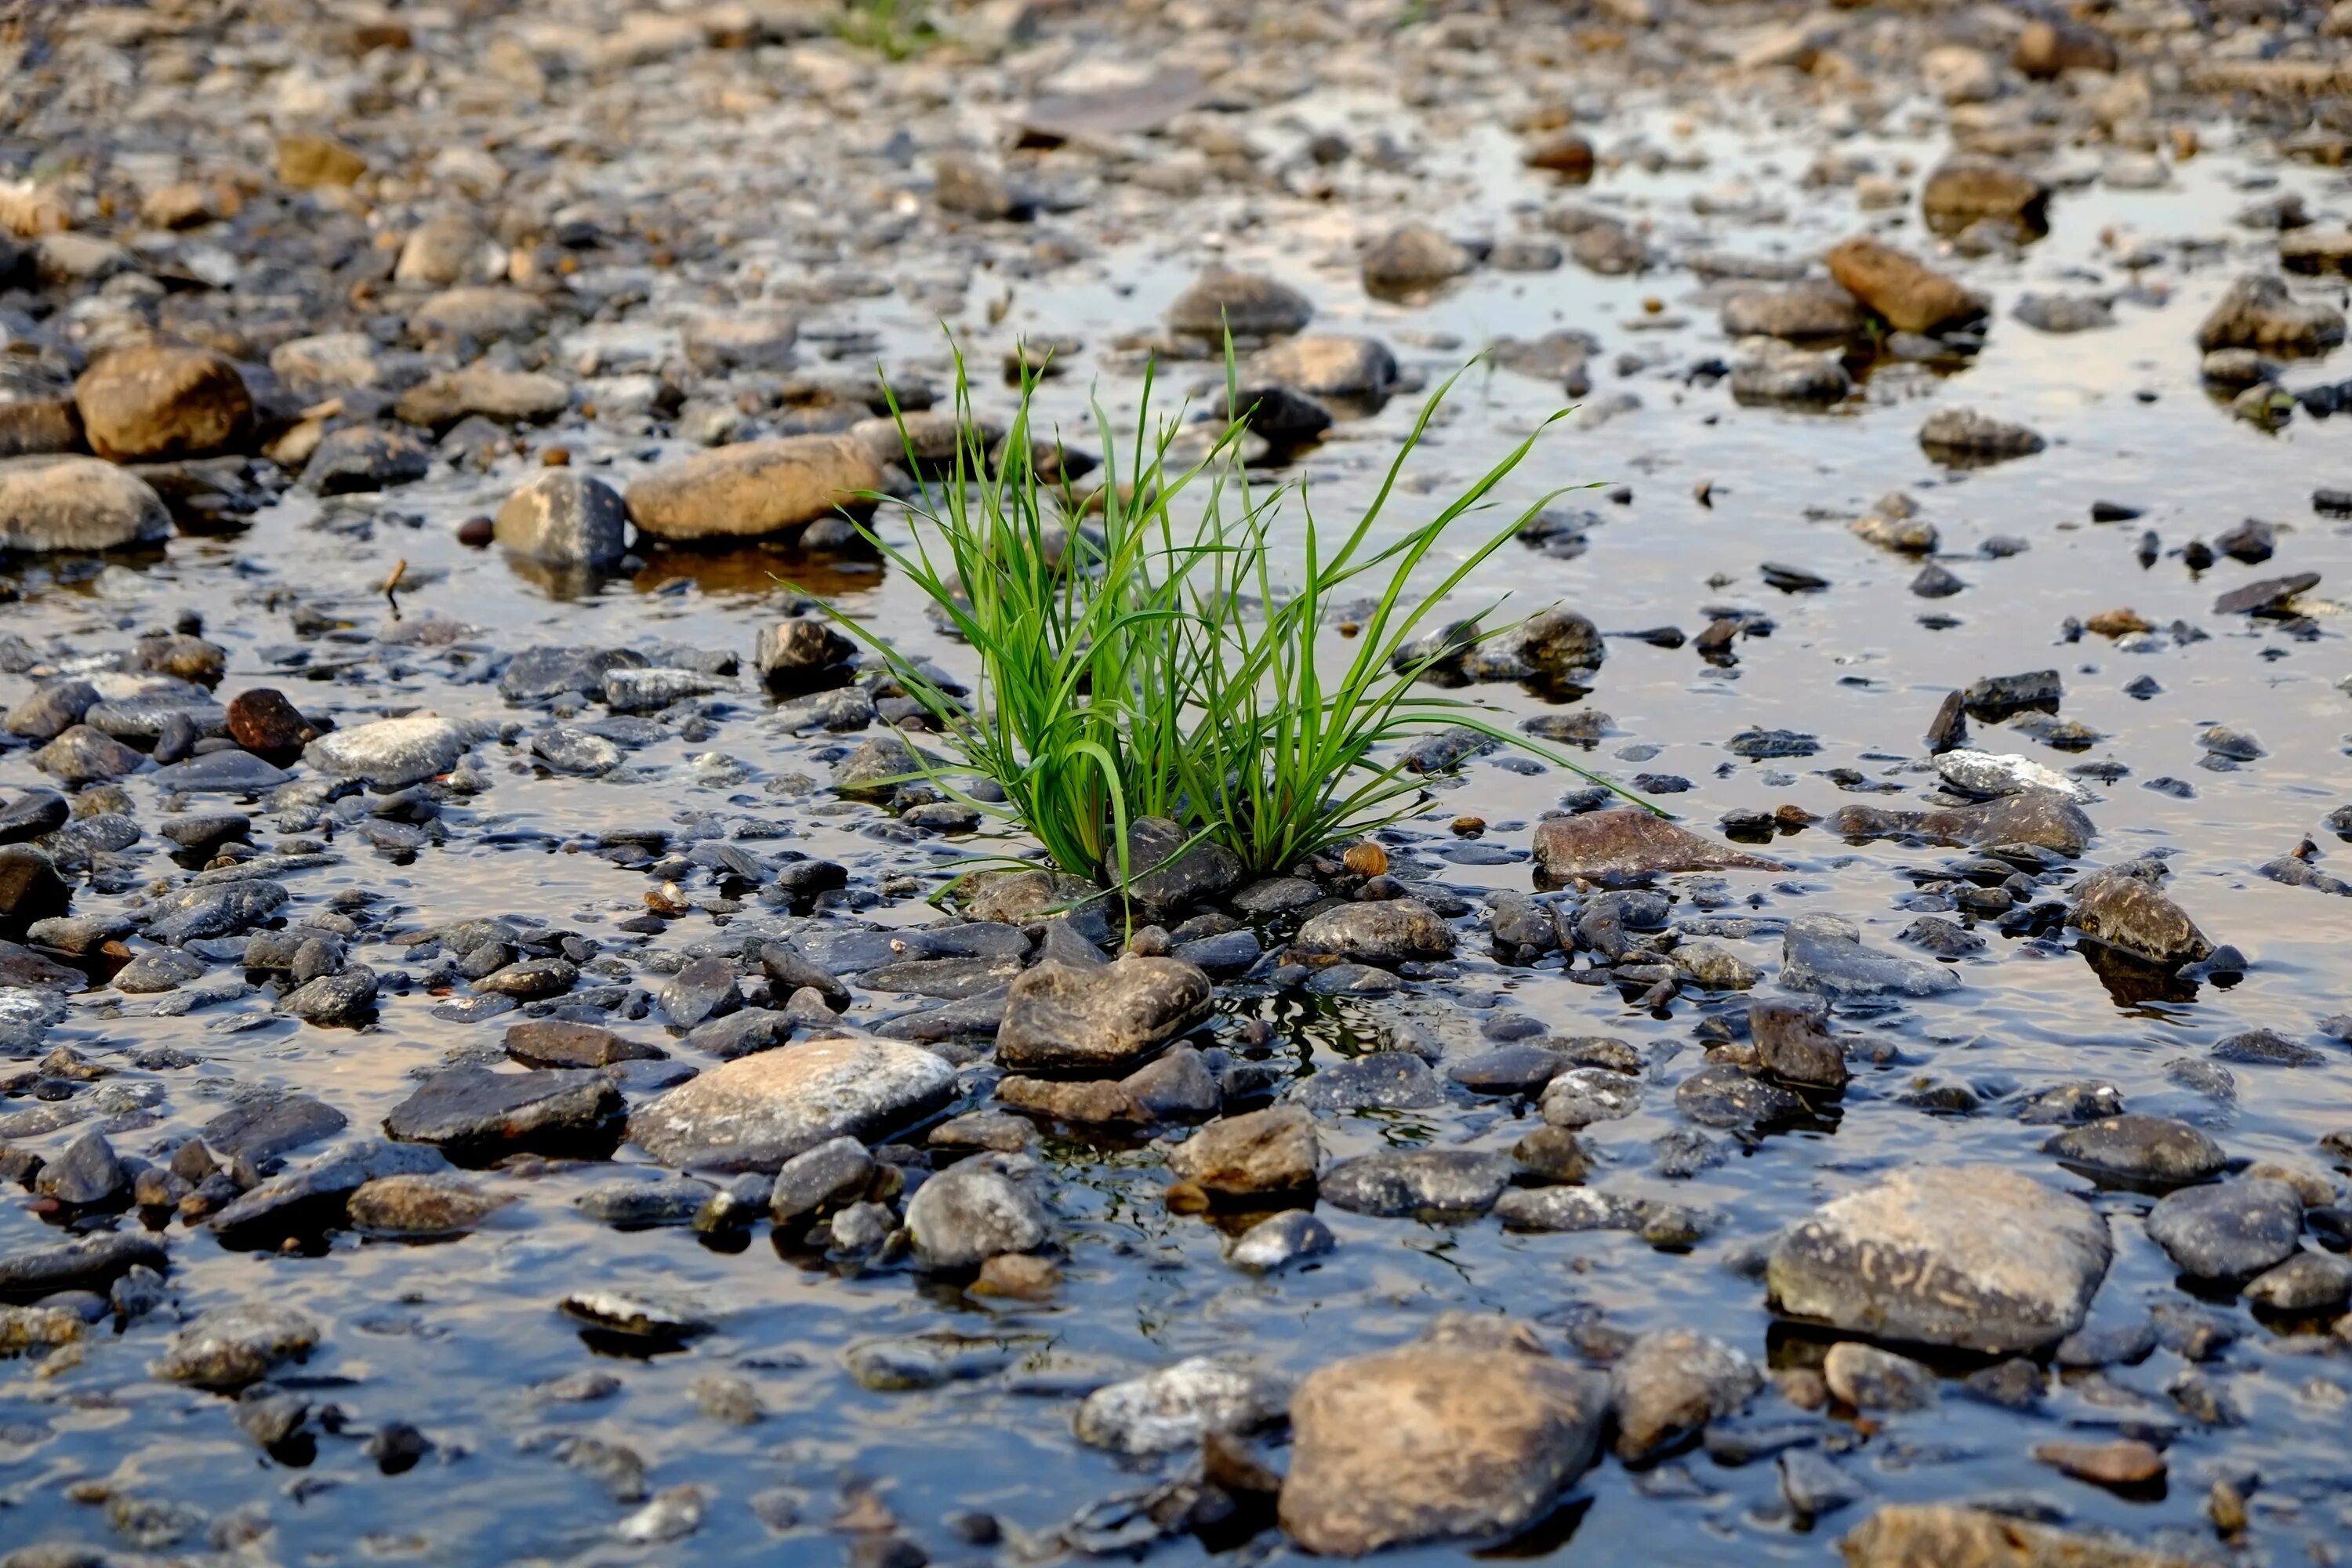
(1102,1018)
(1386,932)
(754,487)
(392,753)
(1272,1150)
(154,402)
(76,503)
(1473,1433)
(1976,1256)
(2229,1230)
(758,1111)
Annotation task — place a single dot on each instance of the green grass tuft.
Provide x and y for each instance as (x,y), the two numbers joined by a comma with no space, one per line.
(1141,655)
(895,29)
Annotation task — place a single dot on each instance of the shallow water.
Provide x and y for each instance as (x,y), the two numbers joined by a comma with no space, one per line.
(449,1336)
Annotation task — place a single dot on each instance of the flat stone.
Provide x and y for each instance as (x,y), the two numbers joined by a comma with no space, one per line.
(2265,595)
(1723,1096)
(468,1107)
(1975,1257)
(1968,435)
(754,487)
(1248,304)
(2145,1148)
(362,458)
(422,1206)
(1626,845)
(1378,1080)
(1414,1181)
(2039,818)
(562,1043)
(220,773)
(392,753)
(230,1347)
(1098,1020)
(1325,366)
(1472,1437)
(756,1113)
(266,1126)
(1824,953)
(86,1263)
(214,909)
(1945,1535)
(317,1194)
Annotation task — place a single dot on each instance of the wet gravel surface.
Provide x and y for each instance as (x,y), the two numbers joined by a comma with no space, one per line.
(562,1371)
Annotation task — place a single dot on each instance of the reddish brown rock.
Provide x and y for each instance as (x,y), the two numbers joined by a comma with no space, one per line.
(156,403)
(1627,844)
(264,722)
(1911,295)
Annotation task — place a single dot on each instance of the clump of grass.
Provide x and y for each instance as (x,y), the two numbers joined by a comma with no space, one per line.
(1149,649)
(895,29)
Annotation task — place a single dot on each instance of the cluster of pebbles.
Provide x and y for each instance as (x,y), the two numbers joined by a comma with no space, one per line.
(481,1008)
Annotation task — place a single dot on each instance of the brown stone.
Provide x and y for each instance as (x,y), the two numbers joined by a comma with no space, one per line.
(1021,1276)
(2125,1462)
(1627,844)
(1271,1151)
(509,396)
(1945,1535)
(263,721)
(754,487)
(307,161)
(436,1204)
(1963,190)
(1563,152)
(1469,1437)
(2133,913)
(2046,49)
(1093,1101)
(561,1043)
(1791,1043)
(36,426)
(155,403)
(1912,297)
